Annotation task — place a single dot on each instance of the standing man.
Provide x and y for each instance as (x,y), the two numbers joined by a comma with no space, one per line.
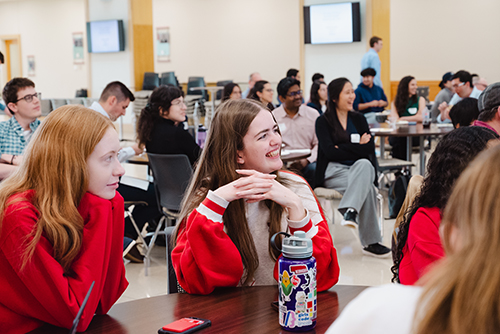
(297,123)
(254,77)
(372,60)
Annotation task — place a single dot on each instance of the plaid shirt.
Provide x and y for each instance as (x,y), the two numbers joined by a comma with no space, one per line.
(12,140)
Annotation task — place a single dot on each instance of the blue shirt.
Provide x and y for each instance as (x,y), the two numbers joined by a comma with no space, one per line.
(371,60)
(366,94)
(12,139)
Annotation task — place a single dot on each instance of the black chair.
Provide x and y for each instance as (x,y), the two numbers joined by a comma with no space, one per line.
(151,81)
(424,92)
(222,84)
(171,173)
(196,82)
(169,78)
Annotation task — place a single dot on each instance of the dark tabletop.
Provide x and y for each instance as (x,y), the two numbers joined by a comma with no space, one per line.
(411,130)
(231,310)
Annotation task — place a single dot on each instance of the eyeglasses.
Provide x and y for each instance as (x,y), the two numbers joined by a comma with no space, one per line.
(460,84)
(177,102)
(293,94)
(29,98)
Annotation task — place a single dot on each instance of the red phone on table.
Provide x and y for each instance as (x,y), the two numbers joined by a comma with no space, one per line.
(185,326)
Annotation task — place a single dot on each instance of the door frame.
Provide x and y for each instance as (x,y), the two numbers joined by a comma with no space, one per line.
(6,40)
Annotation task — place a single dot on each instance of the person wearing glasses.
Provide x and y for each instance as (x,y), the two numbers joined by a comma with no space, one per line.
(263,92)
(462,84)
(297,125)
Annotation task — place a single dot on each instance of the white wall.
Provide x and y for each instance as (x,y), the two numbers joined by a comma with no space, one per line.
(46,29)
(229,39)
(107,67)
(430,38)
(336,60)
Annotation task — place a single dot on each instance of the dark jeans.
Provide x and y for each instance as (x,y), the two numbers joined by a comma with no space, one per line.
(141,213)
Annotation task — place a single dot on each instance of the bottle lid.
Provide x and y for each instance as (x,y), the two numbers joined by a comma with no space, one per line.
(297,246)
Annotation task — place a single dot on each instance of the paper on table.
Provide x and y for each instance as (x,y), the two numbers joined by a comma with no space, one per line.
(381,130)
(134,182)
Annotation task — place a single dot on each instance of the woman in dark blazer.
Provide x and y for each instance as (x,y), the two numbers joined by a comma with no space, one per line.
(346,163)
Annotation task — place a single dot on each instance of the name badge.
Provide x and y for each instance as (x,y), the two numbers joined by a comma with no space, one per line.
(355,138)
(412,111)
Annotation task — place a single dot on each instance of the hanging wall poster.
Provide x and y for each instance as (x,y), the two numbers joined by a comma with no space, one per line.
(163,44)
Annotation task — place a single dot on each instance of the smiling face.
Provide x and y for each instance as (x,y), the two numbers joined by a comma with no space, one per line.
(346,98)
(177,111)
(266,96)
(293,98)
(262,144)
(412,87)
(104,169)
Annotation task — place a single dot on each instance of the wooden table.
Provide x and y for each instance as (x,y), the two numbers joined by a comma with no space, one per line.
(139,159)
(409,132)
(231,310)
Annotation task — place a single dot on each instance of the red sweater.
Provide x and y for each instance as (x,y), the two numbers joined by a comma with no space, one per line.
(423,246)
(42,292)
(205,257)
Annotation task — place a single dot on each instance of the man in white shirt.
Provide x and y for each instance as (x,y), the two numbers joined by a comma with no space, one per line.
(297,123)
(113,103)
(462,83)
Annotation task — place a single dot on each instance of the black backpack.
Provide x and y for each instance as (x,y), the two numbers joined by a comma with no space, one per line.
(397,193)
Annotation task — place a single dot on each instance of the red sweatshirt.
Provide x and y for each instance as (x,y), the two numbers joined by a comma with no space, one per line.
(205,257)
(423,246)
(41,292)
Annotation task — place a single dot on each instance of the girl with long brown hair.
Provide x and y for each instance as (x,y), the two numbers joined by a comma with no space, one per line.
(61,224)
(460,294)
(238,198)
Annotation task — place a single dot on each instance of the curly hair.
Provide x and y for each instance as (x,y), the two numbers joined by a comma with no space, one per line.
(452,155)
(403,95)
(159,103)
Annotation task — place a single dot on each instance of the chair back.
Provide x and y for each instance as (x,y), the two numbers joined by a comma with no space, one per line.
(46,106)
(196,82)
(171,173)
(169,78)
(151,81)
(56,103)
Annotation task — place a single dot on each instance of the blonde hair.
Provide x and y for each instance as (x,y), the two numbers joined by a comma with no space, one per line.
(217,167)
(55,167)
(462,294)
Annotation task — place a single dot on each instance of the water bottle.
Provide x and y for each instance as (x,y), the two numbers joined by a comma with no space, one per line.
(201,135)
(297,283)
(426,121)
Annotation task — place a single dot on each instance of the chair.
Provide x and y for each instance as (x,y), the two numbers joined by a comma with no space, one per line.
(221,84)
(151,81)
(81,93)
(196,82)
(387,166)
(56,103)
(171,173)
(88,101)
(169,78)
(46,106)
(76,101)
(424,92)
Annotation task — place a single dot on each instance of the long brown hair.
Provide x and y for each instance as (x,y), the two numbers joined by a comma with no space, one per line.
(461,295)
(217,167)
(55,167)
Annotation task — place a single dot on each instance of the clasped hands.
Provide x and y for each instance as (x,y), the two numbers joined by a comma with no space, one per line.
(254,186)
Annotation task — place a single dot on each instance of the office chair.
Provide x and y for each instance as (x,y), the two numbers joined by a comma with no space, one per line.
(56,103)
(221,84)
(197,82)
(171,173)
(151,81)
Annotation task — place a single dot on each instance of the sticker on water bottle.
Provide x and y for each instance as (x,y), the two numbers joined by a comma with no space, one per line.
(298,295)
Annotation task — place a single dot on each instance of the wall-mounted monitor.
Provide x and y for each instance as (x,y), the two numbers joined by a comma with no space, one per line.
(332,23)
(105,36)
